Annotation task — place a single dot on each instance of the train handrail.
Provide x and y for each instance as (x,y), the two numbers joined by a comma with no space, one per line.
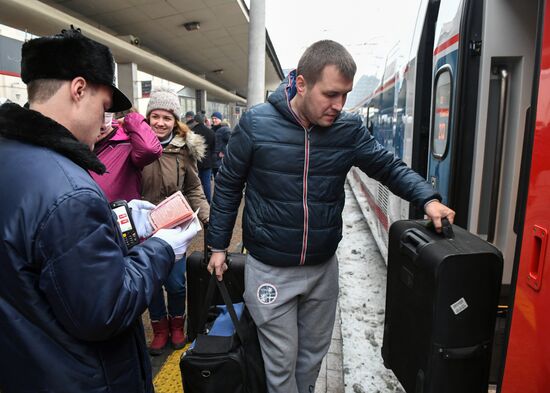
(495,187)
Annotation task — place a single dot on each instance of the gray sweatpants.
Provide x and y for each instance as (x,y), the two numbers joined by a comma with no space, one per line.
(294,309)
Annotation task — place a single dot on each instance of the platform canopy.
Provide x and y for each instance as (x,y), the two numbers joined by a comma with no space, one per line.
(202,44)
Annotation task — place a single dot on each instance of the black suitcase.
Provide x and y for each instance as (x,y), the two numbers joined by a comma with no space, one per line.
(197,278)
(441,302)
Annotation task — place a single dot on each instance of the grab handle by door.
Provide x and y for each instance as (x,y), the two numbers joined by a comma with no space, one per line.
(504,77)
(536,267)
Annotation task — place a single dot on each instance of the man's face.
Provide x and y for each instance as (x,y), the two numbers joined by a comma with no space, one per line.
(92,110)
(323,102)
(162,122)
(216,121)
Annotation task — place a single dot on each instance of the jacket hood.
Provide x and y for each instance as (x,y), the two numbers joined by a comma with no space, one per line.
(286,91)
(32,127)
(194,142)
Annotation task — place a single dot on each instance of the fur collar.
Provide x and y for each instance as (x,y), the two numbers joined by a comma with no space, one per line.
(32,127)
(194,142)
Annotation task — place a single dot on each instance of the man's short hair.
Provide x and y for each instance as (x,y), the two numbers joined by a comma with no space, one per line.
(324,53)
(199,118)
(41,90)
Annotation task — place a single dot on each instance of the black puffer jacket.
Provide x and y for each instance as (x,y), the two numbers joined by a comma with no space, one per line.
(295,182)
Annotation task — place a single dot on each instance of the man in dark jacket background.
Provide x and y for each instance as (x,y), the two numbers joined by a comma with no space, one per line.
(72,294)
(205,165)
(223,133)
(293,154)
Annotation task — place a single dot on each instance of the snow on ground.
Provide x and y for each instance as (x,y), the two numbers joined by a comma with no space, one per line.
(362,303)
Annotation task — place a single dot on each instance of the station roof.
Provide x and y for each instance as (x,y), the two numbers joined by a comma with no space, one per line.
(216,52)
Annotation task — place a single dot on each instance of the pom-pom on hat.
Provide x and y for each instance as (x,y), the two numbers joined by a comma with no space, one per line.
(68,55)
(164,99)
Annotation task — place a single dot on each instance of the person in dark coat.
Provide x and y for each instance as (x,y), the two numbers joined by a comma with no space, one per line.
(72,294)
(205,165)
(223,133)
(293,153)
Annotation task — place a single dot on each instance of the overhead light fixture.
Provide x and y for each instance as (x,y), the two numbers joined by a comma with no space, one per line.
(219,71)
(192,26)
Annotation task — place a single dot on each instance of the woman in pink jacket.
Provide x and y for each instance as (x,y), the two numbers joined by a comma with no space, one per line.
(125,148)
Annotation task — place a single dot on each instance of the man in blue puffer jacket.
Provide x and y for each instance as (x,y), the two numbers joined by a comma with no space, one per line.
(72,294)
(293,153)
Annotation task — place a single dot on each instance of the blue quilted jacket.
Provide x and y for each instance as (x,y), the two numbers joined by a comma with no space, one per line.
(295,181)
(71,294)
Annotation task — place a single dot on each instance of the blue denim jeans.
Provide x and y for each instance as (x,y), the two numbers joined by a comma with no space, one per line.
(175,288)
(205,176)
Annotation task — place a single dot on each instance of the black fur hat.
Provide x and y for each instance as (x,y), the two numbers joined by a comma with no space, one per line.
(68,55)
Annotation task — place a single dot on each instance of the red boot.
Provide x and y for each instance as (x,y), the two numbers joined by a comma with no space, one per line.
(161,331)
(177,336)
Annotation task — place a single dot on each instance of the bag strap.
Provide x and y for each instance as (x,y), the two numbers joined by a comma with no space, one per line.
(207,303)
(205,235)
(228,303)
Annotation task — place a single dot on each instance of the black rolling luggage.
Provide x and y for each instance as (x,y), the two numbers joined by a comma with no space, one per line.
(197,277)
(441,303)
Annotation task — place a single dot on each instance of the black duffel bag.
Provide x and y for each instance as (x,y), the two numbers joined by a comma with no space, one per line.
(229,363)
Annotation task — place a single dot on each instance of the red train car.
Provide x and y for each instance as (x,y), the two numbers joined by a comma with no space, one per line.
(527,358)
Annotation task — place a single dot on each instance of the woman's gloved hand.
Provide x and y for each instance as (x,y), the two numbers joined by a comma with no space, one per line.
(140,216)
(179,237)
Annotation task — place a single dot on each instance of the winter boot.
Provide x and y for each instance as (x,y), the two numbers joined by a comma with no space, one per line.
(161,331)
(177,336)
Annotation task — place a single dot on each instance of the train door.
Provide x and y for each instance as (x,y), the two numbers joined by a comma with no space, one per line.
(527,367)
(506,68)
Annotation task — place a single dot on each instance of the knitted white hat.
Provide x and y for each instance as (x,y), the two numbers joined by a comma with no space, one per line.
(166,100)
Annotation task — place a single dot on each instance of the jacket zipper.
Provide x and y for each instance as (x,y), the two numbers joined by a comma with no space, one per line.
(304,179)
(304,200)
(177,171)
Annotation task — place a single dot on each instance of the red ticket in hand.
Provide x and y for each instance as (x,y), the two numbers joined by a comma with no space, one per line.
(173,211)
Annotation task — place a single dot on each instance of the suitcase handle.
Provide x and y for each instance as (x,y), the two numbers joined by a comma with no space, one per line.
(464,352)
(447,228)
(412,241)
(228,260)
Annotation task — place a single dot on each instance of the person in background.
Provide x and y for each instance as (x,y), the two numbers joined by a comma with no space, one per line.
(72,294)
(189,117)
(207,121)
(125,148)
(176,169)
(223,133)
(206,163)
(293,153)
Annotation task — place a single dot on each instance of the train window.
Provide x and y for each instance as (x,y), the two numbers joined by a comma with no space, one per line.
(441,113)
